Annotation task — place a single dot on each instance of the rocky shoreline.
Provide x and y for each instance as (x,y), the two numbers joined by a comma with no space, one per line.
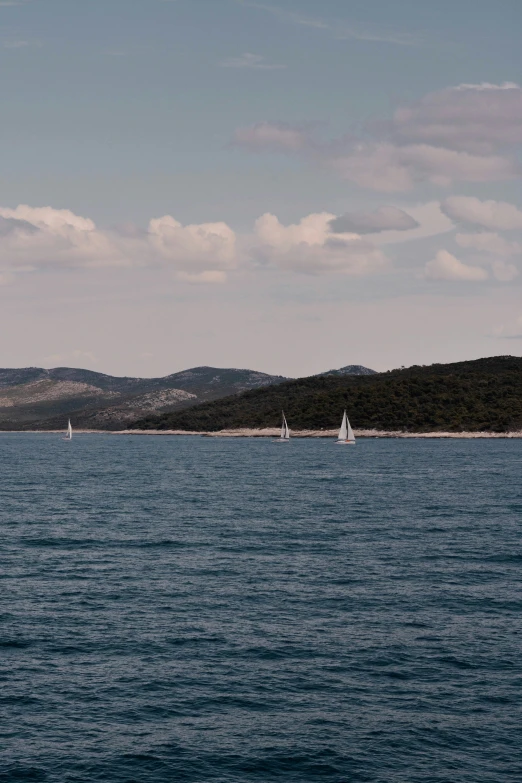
(274,432)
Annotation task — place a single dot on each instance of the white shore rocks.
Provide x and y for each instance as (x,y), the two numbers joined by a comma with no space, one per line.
(274,432)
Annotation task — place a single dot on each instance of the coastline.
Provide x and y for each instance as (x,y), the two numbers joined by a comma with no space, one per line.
(274,432)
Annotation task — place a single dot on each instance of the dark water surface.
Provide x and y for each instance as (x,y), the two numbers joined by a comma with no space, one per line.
(196,609)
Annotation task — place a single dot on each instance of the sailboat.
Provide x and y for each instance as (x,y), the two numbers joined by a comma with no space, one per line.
(346,435)
(69,432)
(285,432)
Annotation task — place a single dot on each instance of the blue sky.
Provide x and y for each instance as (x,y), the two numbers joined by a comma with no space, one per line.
(172,168)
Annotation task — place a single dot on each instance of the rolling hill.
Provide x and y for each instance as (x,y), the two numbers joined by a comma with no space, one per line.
(34,398)
(485,394)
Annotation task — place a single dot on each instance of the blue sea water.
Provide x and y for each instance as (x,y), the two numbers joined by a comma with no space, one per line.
(199,609)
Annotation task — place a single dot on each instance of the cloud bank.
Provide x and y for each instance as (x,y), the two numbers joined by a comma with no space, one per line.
(38,238)
(466,133)
(478,118)
(493,215)
(44,238)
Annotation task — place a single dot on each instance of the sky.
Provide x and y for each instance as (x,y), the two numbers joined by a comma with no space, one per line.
(286,186)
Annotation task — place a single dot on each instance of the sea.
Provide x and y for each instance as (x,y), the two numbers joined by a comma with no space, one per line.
(237,610)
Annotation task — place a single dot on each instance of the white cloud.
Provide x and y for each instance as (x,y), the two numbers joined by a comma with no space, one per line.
(272,137)
(388,167)
(493,215)
(487,86)
(374,166)
(252,61)
(446,266)
(201,252)
(493,250)
(386,218)
(478,118)
(43,236)
(310,247)
(489,243)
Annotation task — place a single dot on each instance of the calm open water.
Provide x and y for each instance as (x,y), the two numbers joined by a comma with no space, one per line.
(196,609)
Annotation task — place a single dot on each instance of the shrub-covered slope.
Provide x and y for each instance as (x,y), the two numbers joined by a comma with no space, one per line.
(478,395)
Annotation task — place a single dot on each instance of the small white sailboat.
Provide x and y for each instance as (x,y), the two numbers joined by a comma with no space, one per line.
(69,432)
(346,435)
(285,432)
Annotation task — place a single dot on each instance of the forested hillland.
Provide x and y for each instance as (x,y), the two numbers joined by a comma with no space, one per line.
(481,395)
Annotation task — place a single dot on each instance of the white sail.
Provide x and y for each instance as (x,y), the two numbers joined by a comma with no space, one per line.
(343,432)
(285,432)
(346,433)
(69,431)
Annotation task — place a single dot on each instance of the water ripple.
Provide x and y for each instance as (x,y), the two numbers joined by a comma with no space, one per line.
(185,609)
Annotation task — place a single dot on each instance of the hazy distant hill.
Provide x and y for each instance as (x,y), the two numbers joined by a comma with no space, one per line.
(33,397)
(478,395)
(351,369)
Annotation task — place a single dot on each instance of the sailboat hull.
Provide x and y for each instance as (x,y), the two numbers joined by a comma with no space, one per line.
(345,442)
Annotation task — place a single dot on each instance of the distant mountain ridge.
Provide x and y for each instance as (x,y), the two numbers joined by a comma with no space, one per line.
(33,397)
(37,398)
